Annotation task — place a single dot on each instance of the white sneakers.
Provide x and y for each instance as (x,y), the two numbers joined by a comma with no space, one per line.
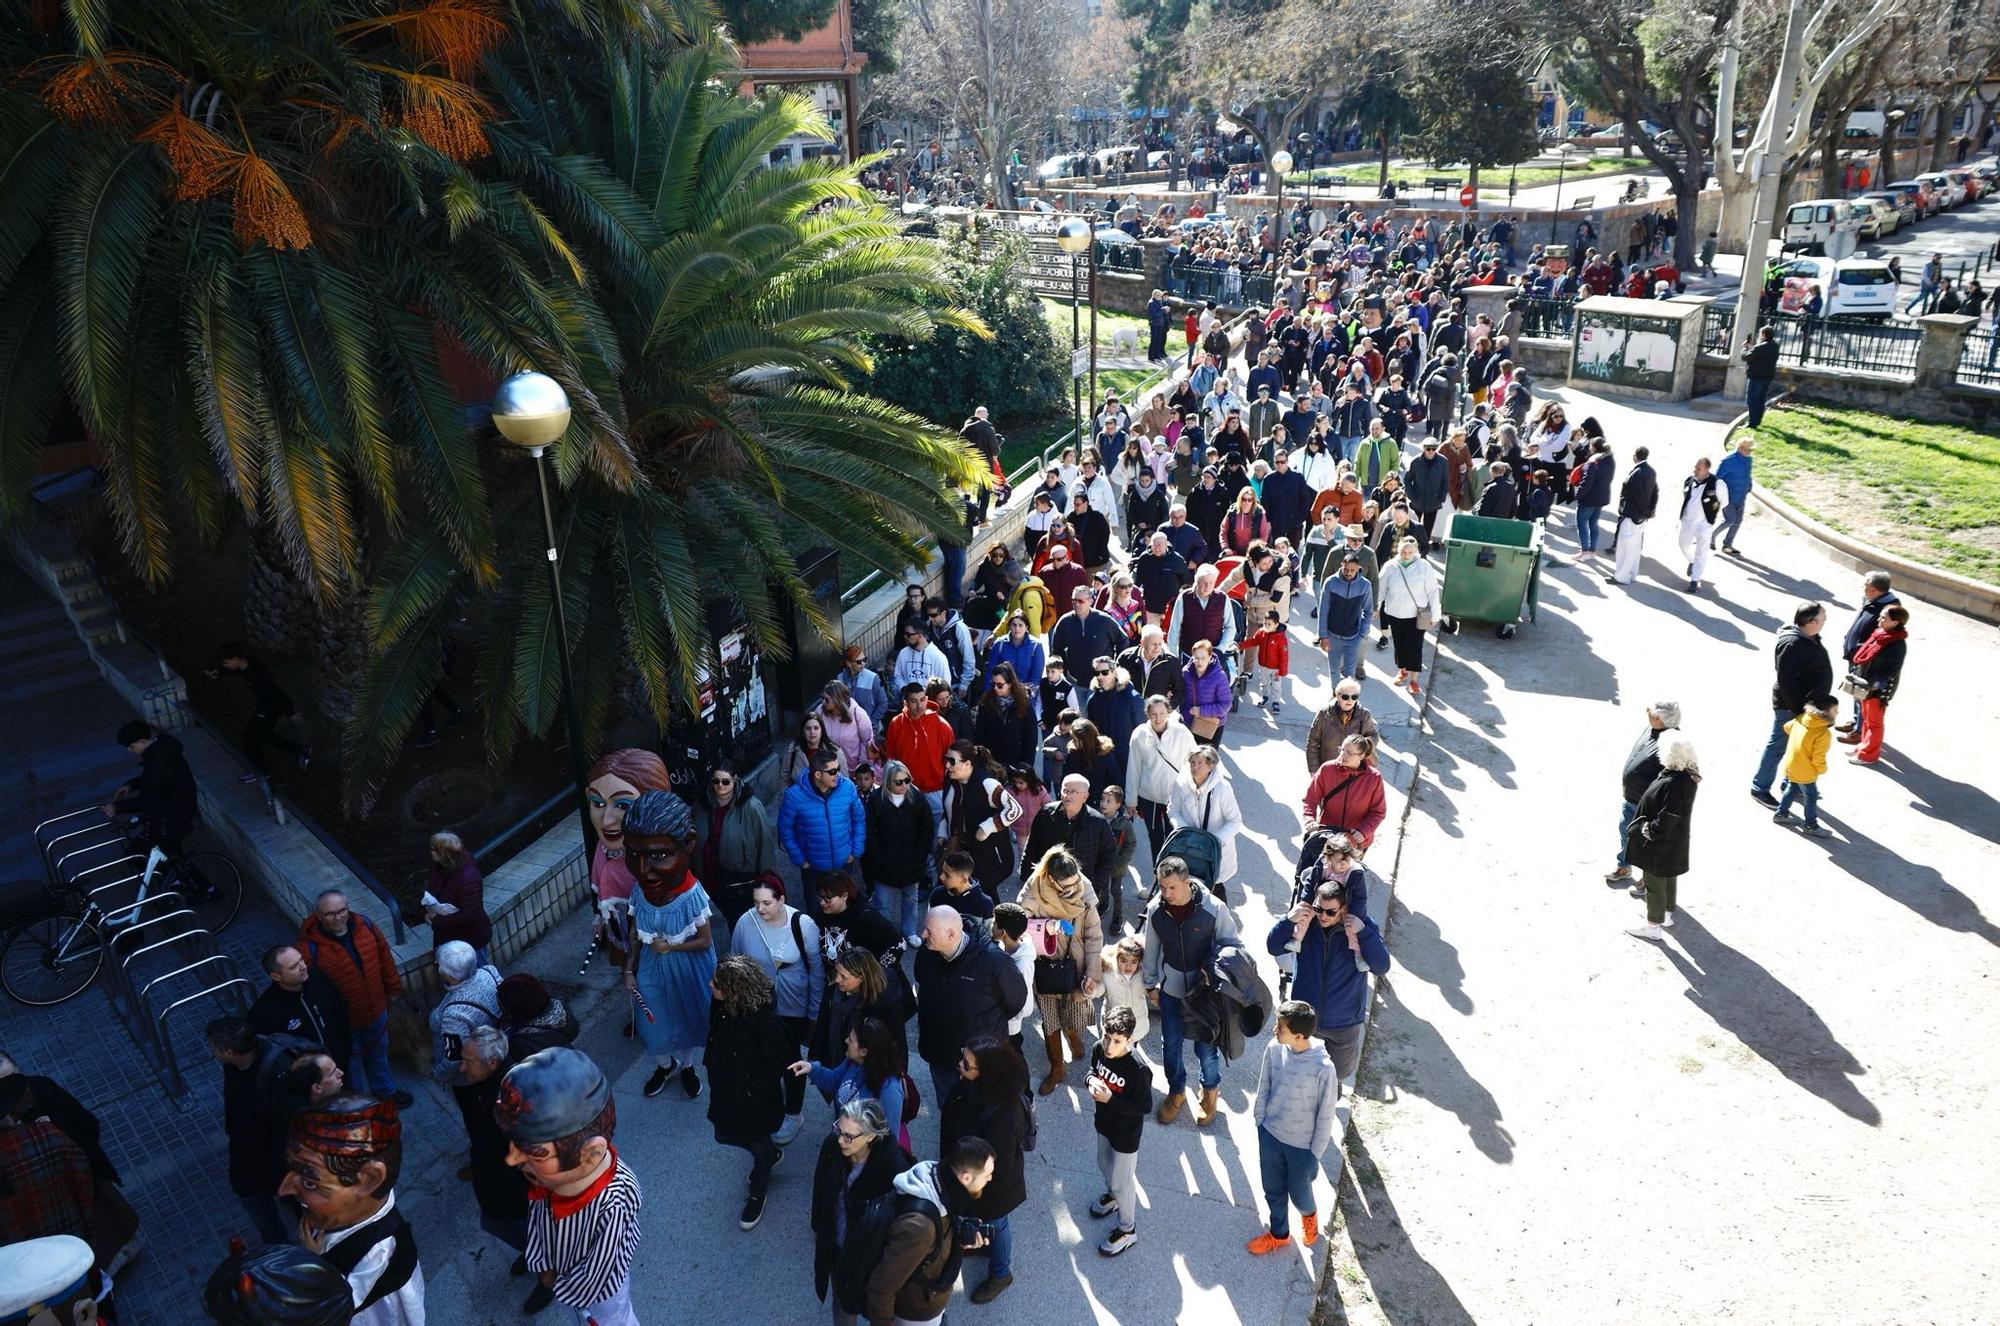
(1647,931)
(789,1129)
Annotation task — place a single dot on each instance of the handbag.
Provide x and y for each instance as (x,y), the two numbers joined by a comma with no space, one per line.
(1205,727)
(1056,976)
(1856,685)
(1424,619)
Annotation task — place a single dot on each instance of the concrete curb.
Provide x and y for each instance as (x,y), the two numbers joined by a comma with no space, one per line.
(1944,589)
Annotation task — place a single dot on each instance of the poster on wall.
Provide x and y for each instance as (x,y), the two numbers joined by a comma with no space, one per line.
(1627,350)
(732,719)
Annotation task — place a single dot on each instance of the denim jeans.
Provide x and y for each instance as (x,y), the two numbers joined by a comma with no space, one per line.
(1732,520)
(1343,655)
(1173,1049)
(1807,794)
(999,1247)
(1755,392)
(943,1077)
(1288,1176)
(371,1057)
(899,905)
(1626,810)
(1588,521)
(1774,750)
(1348,446)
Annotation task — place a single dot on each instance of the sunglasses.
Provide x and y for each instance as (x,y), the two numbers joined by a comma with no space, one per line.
(1104,672)
(1328,911)
(899,782)
(720,782)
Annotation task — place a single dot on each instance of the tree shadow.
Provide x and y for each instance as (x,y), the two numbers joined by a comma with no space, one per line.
(1789,585)
(1417,1058)
(1423,951)
(1677,602)
(1407,1288)
(1776,1024)
(1919,887)
(1759,621)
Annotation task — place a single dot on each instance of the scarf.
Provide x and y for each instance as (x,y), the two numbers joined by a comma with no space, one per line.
(1054,899)
(1873,645)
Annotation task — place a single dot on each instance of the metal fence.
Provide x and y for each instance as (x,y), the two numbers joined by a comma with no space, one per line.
(1884,348)
(1979,361)
(1546,317)
(1229,286)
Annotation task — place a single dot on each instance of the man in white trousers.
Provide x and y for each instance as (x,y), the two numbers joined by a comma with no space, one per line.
(1638,498)
(1701,507)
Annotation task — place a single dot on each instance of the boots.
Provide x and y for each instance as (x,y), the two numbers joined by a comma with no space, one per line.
(1204,1109)
(1170,1108)
(1076,1046)
(1054,1041)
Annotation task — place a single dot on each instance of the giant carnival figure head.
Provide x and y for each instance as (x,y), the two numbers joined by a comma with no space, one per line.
(614,783)
(556,1109)
(280,1284)
(341,1160)
(659,842)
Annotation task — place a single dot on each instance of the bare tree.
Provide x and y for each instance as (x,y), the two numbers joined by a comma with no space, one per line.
(1783,133)
(1266,69)
(994,68)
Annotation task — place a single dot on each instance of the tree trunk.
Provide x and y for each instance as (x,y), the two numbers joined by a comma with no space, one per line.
(341,654)
(1829,160)
(1687,206)
(278,608)
(1383,182)
(1733,229)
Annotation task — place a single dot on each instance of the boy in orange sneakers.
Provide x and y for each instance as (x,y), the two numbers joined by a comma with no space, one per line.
(1297,1089)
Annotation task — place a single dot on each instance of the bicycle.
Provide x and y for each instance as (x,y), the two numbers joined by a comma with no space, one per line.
(56,937)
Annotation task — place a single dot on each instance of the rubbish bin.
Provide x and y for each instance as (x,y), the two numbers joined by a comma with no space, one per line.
(1492,572)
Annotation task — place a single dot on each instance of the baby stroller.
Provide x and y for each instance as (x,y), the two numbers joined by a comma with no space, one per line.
(1201,850)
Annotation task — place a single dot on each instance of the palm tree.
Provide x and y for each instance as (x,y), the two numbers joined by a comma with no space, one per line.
(736,301)
(228,233)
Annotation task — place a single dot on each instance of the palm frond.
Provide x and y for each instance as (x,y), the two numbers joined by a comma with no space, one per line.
(103,228)
(30,387)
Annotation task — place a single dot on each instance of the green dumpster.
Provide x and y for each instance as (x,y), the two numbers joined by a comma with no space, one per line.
(1492,572)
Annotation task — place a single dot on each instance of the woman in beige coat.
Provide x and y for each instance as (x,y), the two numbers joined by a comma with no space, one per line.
(1067,939)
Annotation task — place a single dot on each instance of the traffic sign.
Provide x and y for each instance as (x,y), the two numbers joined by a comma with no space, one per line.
(1079,361)
(1467,196)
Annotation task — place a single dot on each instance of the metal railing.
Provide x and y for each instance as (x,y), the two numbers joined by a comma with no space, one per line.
(1979,360)
(1885,348)
(1718,325)
(1546,317)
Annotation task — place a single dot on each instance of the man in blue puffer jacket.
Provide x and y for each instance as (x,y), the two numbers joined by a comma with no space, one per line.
(1337,950)
(821,823)
(1346,605)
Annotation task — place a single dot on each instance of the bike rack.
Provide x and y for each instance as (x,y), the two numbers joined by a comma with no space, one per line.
(58,819)
(200,962)
(52,864)
(175,1085)
(77,880)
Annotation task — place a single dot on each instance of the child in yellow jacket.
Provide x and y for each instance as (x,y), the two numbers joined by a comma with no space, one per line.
(1808,738)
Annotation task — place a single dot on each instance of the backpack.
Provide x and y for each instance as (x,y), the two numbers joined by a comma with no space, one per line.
(866,1238)
(912,1102)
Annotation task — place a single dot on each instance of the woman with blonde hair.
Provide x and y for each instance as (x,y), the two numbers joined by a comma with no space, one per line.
(1410,593)
(748,1053)
(455,901)
(1066,936)
(1656,841)
(1245,524)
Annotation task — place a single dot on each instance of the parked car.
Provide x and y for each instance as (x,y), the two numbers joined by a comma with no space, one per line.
(1899,206)
(1878,217)
(1949,191)
(1968,180)
(1850,288)
(1919,195)
(1066,165)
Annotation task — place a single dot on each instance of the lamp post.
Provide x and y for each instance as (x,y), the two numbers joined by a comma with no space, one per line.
(1281,166)
(901,148)
(1305,142)
(1555,213)
(531,411)
(1074,237)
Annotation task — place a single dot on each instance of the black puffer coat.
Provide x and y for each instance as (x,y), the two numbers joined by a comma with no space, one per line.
(1657,842)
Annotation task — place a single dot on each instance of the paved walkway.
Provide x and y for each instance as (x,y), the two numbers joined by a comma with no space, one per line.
(1560,1123)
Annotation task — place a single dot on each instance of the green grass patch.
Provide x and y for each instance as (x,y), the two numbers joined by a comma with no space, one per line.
(1107,323)
(1927,491)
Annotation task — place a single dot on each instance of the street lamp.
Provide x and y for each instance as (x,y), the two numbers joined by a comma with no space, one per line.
(1281,166)
(1305,142)
(1562,165)
(531,411)
(899,147)
(1075,238)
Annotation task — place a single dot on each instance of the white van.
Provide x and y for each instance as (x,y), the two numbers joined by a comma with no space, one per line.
(1810,224)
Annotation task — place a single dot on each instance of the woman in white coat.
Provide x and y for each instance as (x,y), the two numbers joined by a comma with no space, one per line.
(1409,606)
(1203,799)
(1157,755)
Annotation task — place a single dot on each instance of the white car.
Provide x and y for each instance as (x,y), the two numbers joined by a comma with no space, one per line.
(1949,191)
(1850,288)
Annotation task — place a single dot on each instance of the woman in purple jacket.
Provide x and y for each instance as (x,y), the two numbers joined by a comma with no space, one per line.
(1205,694)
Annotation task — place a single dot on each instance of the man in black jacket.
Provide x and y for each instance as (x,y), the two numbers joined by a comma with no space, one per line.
(1427,481)
(1642,765)
(1499,497)
(269,702)
(978,433)
(301,1002)
(1288,498)
(1803,672)
(966,987)
(1760,366)
(164,794)
(1153,670)
(1161,574)
(1637,500)
(1071,821)
(254,1116)
(1875,596)
(1158,312)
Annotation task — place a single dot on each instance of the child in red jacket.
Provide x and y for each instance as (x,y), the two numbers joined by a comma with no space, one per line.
(1271,662)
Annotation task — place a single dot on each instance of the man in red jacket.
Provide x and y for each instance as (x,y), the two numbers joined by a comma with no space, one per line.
(352,953)
(918,737)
